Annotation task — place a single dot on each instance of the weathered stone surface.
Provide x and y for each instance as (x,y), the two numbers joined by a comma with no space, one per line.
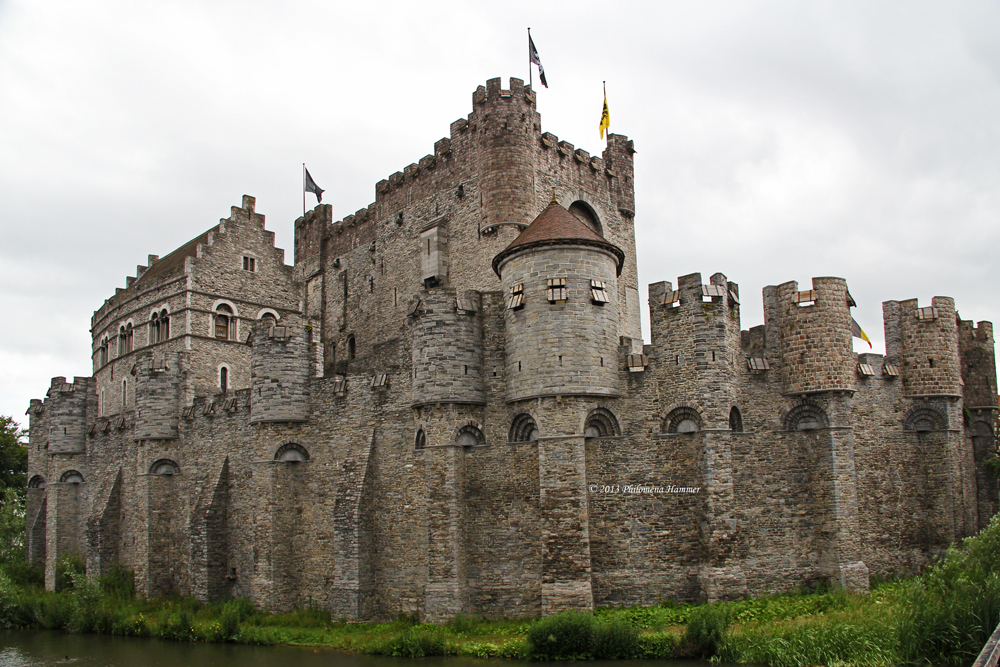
(383,431)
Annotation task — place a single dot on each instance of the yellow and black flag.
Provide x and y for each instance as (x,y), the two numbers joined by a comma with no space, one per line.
(605,116)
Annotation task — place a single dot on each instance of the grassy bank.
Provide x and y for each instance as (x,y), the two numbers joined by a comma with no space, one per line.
(943,616)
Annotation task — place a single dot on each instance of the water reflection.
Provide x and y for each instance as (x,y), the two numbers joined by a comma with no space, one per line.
(56,649)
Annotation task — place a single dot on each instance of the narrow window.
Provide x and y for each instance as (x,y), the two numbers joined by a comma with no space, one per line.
(557,290)
(516,299)
(223,321)
(154,328)
(599,292)
(224,379)
(164,325)
(124,393)
(351,347)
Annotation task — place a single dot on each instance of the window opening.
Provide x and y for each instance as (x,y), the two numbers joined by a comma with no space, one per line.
(224,322)
(598,292)
(351,347)
(224,379)
(516,299)
(249,264)
(557,290)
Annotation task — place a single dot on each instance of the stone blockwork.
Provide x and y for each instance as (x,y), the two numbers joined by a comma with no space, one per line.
(446,408)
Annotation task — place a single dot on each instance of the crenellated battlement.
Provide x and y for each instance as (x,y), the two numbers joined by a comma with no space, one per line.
(923,340)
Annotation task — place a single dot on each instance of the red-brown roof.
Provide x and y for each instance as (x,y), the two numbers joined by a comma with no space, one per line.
(177,257)
(557,226)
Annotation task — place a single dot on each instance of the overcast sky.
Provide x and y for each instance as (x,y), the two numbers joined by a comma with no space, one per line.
(776,140)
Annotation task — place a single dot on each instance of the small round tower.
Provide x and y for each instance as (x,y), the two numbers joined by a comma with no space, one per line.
(448,348)
(924,341)
(506,129)
(560,280)
(157,397)
(279,372)
(817,351)
(66,408)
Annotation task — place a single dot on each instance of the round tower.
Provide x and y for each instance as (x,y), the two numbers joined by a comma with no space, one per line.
(506,130)
(560,279)
(924,341)
(448,348)
(157,397)
(279,372)
(817,351)
(66,409)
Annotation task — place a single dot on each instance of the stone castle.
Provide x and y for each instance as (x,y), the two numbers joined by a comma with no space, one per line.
(445,406)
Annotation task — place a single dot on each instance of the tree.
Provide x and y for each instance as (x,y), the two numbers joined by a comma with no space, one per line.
(13,458)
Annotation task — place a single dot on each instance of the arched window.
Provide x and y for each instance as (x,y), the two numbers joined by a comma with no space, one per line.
(523,429)
(421,440)
(684,419)
(351,347)
(735,419)
(225,322)
(36,482)
(805,417)
(291,452)
(164,468)
(121,340)
(601,423)
(925,419)
(102,352)
(585,214)
(71,477)
(268,318)
(470,436)
(224,379)
(159,326)
(124,393)
(129,338)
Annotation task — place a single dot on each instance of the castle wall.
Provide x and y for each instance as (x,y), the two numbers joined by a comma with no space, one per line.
(467,458)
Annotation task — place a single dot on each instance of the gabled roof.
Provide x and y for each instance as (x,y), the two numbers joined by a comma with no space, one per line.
(177,257)
(557,226)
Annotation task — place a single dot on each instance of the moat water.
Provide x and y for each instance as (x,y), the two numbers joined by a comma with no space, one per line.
(26,648)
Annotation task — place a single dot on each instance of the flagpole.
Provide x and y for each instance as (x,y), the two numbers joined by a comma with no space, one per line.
(303,189)
(530,74)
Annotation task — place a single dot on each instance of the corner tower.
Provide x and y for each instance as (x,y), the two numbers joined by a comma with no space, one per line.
(560,279)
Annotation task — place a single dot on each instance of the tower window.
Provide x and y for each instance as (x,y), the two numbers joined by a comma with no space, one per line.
(224,379)
(225,322)
(249,264)
(351,347)
(557,290)
(516,299)
(599,292)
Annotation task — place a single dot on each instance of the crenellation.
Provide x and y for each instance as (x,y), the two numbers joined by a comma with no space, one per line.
(446,406)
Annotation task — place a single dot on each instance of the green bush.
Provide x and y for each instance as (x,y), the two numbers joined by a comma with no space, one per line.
(415,642)
(951,610)
(24,574)
(614,638)
(707,626)
(658,645)
(176,626)
(565,636)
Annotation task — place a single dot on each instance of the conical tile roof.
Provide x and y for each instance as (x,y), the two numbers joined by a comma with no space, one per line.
(557,226)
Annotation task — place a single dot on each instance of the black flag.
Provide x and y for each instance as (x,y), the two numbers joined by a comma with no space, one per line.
(535,60)
(313,188)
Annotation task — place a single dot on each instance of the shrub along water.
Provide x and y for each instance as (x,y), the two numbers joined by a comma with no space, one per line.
(943,616)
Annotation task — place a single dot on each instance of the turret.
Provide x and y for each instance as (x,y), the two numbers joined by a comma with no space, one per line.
(924,343)
(157,396)
(979,368)
(279,372)
(448,348)
(506,129)
(561,332)
(814,330)
(66,410)
(695,335)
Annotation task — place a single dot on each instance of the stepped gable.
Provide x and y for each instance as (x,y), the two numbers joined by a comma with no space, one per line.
(557,226)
